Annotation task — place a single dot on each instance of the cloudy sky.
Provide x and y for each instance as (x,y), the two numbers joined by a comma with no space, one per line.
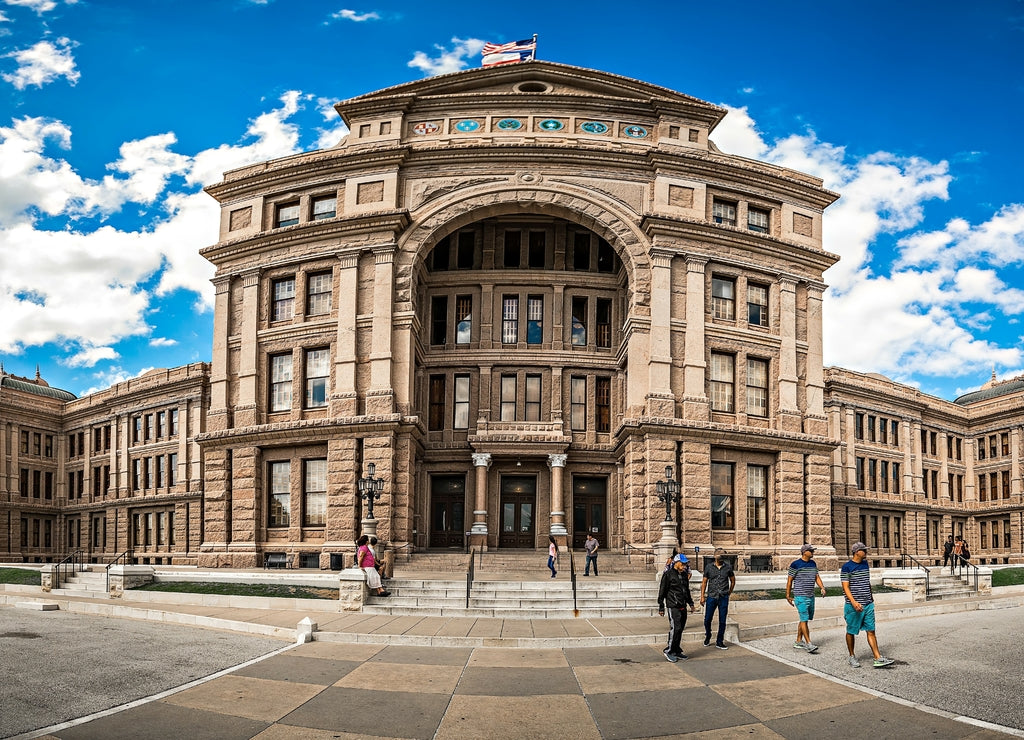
(115,113)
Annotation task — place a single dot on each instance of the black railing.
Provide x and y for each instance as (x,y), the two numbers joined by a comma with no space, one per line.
(646,552)
(572,580)
(903,564)
(71,564)
(959,563)
(125,558)
(470,573)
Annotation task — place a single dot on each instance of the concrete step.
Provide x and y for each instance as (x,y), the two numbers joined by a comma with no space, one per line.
(376,606)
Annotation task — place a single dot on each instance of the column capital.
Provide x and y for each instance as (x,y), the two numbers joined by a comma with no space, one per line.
(787,282)
(661,257)
(221,283)
(816,290)
(251,278)
(384,253)
(482,459)
(556,460)
(696,264)
(348,260)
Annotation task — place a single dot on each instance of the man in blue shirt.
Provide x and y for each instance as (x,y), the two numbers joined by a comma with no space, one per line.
(803,574)
(859,610)
(715,588)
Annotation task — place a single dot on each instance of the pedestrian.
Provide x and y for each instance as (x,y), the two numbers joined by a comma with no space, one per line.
(947,551)
(716,586)
(674,594)
(958,553)
(591,546)
(378,564)
(671,560)
(859,609)
(552,555)
(366,561)
(803,574)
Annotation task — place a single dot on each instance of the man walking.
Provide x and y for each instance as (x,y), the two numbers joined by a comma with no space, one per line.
(591,547)
(859,610)
(947,551)
(674,593)
(715,588)
(803,574)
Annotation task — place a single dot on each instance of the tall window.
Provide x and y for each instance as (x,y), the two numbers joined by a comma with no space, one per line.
(579,321)
(465,257)
(435,414)
(534,319)
(723,298)
(287,214)
(603,403)
(757,497)
(161,471)
(161,424)
(318,289)
(314,493)
(172,470)
(895,477)
(578,404)
(324,207)
(581,251)
(757,304)
(721,496)
(533,387)
(173,428)
(513,251)
(441,254)
(284,299)
(439,319)
(723,212)
(537,256)
(280,382)
(508,397)
(604,322)
(605,256)
(318,369)
(279,510)
(509,319)
(723,372)
(757,387)
(461,420)
(757,220)
(463,319)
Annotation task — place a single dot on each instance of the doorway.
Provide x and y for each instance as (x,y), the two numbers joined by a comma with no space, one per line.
(447,511)
(589,503)
(518,504)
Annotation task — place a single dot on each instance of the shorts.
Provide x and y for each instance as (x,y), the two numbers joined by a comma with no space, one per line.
(804,607)
(859,620)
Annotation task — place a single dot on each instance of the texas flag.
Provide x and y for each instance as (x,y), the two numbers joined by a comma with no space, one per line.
(514,51)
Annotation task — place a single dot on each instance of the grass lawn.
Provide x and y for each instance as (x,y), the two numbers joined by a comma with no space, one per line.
(1008,577)
(20,577)
(274,590)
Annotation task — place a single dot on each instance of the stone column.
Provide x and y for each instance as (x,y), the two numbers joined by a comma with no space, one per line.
(380,398)
(660,399)
(849,479)
(245,408)
(219,416)
(344,398)
(814,417)
(970,455)
(917,457)
(478,533)
(1015,486)
(789,411)
(944,492)
(557,464)
(695,400)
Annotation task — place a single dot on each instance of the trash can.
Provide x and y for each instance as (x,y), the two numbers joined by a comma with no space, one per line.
(337,561)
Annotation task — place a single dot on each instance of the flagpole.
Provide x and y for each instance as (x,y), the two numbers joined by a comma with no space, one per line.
(534,57)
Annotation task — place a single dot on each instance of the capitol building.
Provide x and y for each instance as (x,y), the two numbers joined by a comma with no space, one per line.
(526,295)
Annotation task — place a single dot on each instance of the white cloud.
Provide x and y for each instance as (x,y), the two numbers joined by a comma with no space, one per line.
(43,63)
(39,6)
(449,60)
(89,356)
(162,342)
(4,18)
(111,377)
(351,15)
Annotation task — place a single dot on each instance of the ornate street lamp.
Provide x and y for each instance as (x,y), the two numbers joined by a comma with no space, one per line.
(370,489)
(668,492)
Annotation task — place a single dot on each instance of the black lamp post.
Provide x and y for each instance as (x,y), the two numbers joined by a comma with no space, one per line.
(668,492)
(370,489)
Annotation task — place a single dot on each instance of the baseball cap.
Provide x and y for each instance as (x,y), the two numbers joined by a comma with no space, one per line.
(858,546)
(680,558)
(807,548)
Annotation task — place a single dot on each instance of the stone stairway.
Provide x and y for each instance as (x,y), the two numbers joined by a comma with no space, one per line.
(942,585)
(513,562)
(91,583)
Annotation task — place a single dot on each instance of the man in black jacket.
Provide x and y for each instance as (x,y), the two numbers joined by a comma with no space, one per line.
(674,594)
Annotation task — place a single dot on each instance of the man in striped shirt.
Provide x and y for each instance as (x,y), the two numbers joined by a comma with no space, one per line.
(859,610)
(803,574)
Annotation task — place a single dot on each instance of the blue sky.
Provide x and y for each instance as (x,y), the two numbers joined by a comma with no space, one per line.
(115,113)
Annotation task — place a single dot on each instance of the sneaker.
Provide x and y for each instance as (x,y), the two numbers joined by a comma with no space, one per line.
(707,640)
(384,593)
(671,658)
(811,647)
(882,662)
(721,646)
(682,656)
(854,663)
(799,646)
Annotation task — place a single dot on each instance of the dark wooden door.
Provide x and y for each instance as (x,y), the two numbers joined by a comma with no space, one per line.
(518,505)
(589,506)
(447,511)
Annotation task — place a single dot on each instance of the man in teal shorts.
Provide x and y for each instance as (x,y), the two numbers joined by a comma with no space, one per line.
(859,611)
(803,575)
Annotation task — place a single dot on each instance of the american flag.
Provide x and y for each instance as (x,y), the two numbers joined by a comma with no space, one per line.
(513,51)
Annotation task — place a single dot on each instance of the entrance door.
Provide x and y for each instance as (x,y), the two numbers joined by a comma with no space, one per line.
(447,510)
(589,501)
(518,503)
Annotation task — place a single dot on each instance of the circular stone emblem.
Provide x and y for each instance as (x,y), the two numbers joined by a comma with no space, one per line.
(467,125)
(594,127)
(635,132)
(509,124)
(550,124)
(426,127)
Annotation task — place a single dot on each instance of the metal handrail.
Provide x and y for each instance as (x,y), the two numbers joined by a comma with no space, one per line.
(648,553)
(125,556)
(572,580)
(75,561)
(961,562)
(408,550)
(470,573)
(927,575)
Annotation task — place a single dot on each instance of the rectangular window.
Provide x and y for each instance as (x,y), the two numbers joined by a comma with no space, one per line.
(508,397)
(992,446)
(723,298)
(161,471)
(757,497)
(314,509)
(579,321)
(578,404)
(604,322)
(721,496)
(173,427)
(24,444)
(722,382)
(534,319)
(37,483)
(461,420)
(324,207)
(1004,481)
(440,255)
(883,476)
(605,256)
(984,535)
(757,387)
(723,212)
(757,220)
(537,256)
(896,433)
(513,249)
(287,214)
(872,475)
(983,487)
(981,448)
(883,431)
(280,503)
(858,426)
(1004,442)
(581,251)
(23,482)
(172,470)
(318,369)
(603,403)
(37,444)
(136,476)
(136,429)
(509,319)
(283,307)
(280,382)
(871,428)
(161,424)
(897,532)
(859,471)
(150,427)
(533,396)
(318,293)
(439,319)
(873,531)
(463,319)
(48,445)
(48,485)
(757,304)
(435,413)
(465,257)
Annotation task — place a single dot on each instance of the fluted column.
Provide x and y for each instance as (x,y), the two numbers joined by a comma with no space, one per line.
(695,400)
(245,408)
(219,368)
(478,533)
(913,452)
(660,400)
(814,422)
(380,397)
(557,464)
(789,410)
(344,398)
